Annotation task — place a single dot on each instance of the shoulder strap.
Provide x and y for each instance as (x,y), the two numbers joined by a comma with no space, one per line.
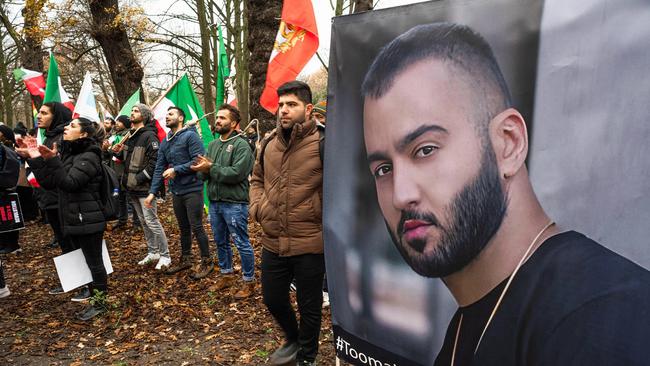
(321,141)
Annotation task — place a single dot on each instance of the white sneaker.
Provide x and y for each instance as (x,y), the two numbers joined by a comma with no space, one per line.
(149,259)
(163,262)
(326,300)
(4,292)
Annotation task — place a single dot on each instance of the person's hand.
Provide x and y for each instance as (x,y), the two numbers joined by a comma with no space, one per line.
(148,200)
(117,148)
(169,173)
(46,153)
(201,164)
(106,145)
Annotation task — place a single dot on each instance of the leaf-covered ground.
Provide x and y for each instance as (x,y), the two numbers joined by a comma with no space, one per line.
(153,318)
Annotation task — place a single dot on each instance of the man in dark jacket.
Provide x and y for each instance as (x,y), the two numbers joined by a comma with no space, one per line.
(226,168)
(286,195)
(9,171)
(139,154)
(177,152)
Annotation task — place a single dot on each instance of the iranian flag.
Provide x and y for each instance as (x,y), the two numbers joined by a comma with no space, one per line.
(133,100)
(34,82)
(86,106)
(181,95)
(295,44)
(54,91)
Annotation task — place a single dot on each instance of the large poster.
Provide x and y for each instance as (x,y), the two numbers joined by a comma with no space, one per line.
(383,312)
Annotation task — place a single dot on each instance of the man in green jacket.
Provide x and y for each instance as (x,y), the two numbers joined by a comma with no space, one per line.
(226,168)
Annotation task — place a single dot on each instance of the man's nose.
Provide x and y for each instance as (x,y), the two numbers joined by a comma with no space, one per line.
(406,190)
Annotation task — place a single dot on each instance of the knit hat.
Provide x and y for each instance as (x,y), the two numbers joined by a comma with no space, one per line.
(125,121)
(321,107)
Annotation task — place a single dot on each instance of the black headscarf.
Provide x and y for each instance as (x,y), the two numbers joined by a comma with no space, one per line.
(61,116)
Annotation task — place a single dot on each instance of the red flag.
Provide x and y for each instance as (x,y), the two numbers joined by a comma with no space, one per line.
(295,44)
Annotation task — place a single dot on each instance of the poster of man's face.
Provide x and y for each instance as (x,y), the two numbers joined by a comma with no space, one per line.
(414,192)
(413,160)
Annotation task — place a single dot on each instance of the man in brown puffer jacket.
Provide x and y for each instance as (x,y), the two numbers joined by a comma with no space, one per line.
(285,195)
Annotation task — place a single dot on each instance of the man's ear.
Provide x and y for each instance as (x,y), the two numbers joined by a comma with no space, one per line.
(510,141)
(309,108)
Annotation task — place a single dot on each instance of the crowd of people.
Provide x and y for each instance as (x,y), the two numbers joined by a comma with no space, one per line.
(276,180)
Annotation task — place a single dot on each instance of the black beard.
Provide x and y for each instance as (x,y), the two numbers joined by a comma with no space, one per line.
(475,214)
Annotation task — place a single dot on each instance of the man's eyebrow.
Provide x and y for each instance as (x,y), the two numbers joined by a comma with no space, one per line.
(411,136)
(377,156)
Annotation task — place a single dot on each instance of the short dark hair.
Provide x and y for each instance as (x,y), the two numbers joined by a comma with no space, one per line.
(111,119)
(87,126)
(458,46)
(180,111)
(297,88)
(234,112)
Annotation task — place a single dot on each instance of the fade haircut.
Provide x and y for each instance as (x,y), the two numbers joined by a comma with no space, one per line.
(461,49)
(234,112)
(297,88)
(180,111)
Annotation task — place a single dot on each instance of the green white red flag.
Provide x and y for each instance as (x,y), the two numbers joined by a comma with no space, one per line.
(54,91)
(34,82)
(295,44)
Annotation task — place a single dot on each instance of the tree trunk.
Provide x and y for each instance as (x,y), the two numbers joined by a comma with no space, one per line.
(263,23)
(125,69)
(208,98)
(362,5)
(6,86)
(241,60)
(32,50)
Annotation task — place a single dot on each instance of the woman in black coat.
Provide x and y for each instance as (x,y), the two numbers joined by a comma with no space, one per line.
(77,176)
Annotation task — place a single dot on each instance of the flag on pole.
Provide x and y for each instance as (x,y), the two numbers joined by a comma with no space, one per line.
(223,70)
(34,82)
(295,43)
(86,106)
(105,113)
(133,100)
(182,95)
(54,91)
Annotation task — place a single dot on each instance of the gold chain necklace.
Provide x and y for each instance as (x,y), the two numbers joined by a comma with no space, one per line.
(503,293)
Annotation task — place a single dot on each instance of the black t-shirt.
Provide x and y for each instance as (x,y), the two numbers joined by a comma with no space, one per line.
(574,302)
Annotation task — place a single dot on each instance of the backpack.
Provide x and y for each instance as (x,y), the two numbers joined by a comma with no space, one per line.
(109,193)
(321,143)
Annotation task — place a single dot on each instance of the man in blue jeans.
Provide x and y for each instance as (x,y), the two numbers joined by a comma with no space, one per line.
(226,168)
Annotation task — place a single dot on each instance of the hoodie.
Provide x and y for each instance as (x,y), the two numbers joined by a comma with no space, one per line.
(48,199)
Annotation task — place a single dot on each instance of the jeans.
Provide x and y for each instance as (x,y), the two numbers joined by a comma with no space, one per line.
(153,230)
(188,209)
(54,220)
(91,246)
(308,270)
(125,207)
(231,220)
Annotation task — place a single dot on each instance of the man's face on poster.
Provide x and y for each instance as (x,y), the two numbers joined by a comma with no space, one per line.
(435,172)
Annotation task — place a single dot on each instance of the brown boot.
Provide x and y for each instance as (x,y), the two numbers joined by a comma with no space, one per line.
(185,263)
(247,290)
(204,269)
(224,281)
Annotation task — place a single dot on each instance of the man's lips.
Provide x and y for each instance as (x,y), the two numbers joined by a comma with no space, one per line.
(414,230)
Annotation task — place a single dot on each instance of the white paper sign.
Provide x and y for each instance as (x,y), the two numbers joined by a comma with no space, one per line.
(74,272)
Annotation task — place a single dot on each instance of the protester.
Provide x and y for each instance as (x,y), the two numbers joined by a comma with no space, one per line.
(286,196)
(109,125)
(9,173)
(455,193)
(77,176)
(139,153)
(53,117)
(320,112)
(177,152)
(120,130)
(226,168)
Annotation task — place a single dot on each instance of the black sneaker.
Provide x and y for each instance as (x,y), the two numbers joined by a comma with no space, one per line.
(285,354)
(52,245)
(91,312)
(56,291)
(306,363)
(82,295)
(11,250)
